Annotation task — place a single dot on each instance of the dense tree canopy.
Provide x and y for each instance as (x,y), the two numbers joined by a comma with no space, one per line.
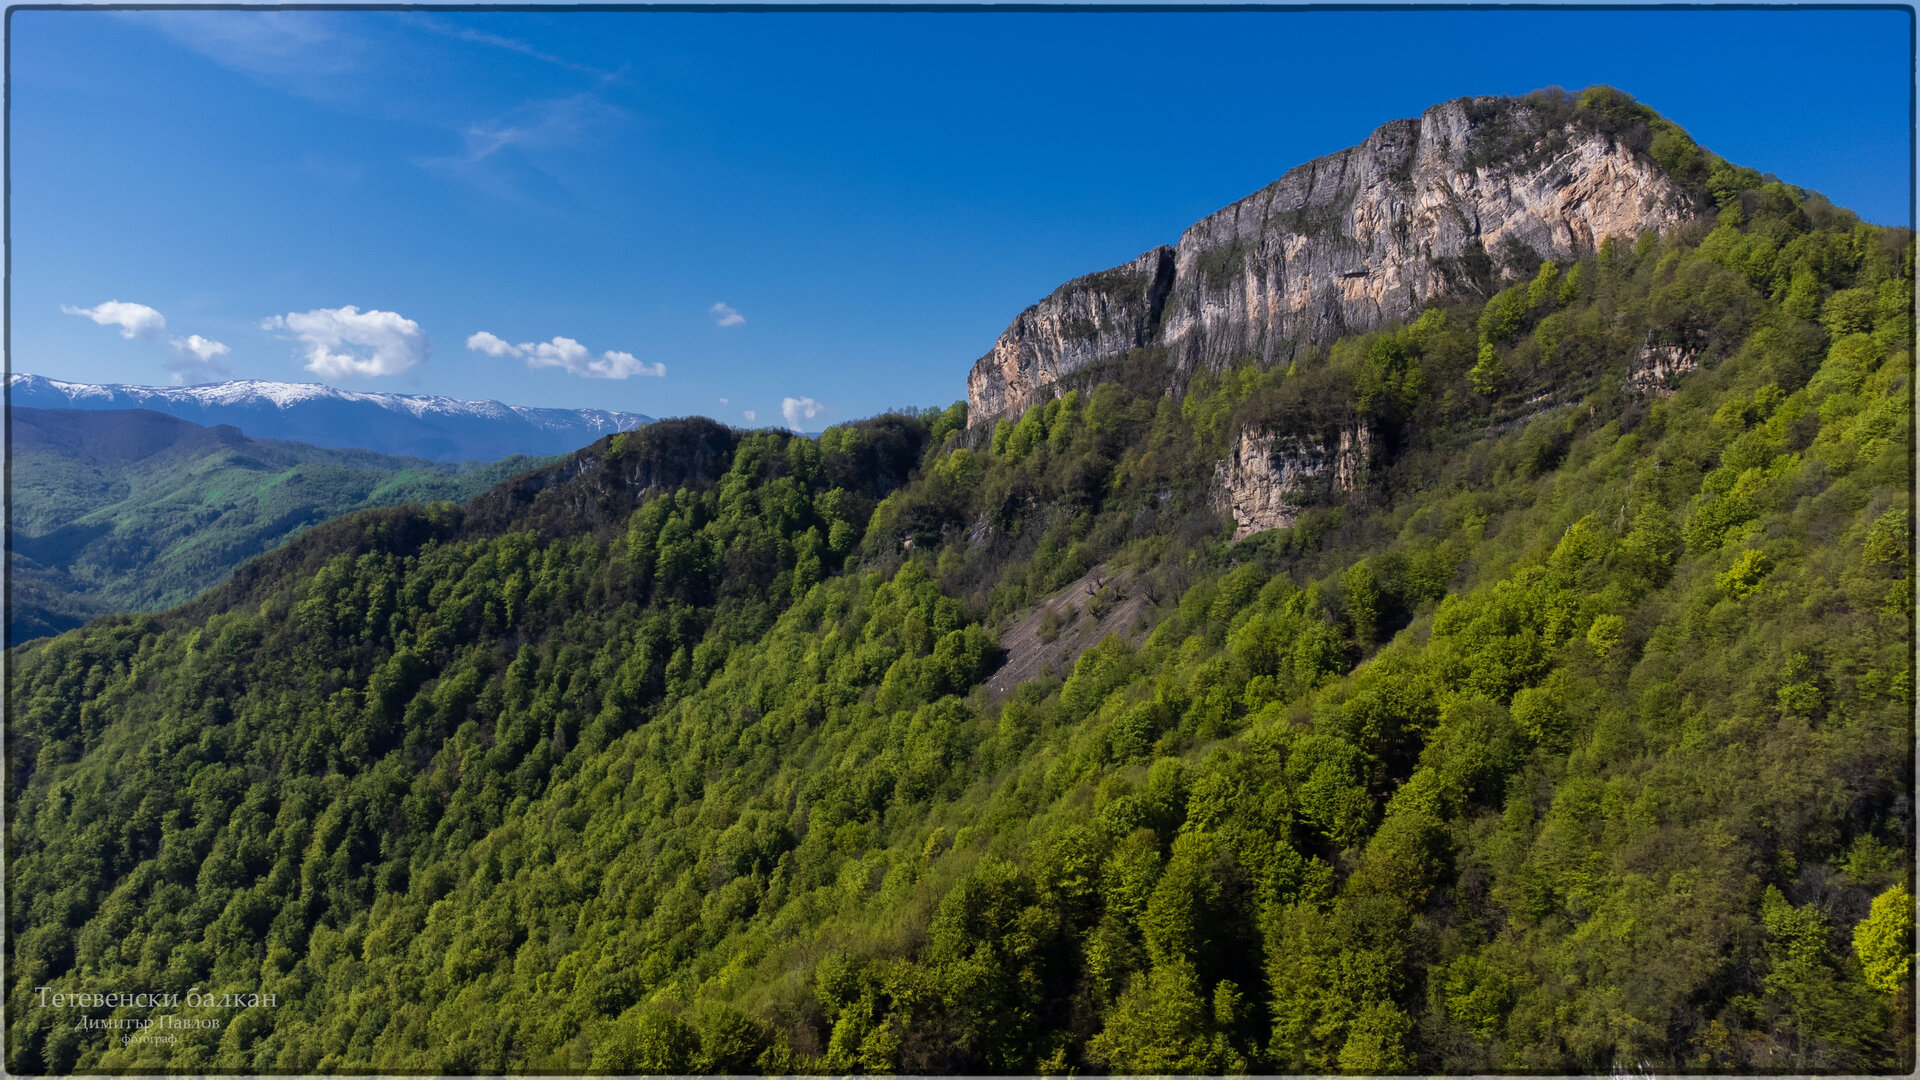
(122,510)
(1579,738)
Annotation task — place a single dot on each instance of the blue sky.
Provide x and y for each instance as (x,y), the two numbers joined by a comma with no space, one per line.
(716,213)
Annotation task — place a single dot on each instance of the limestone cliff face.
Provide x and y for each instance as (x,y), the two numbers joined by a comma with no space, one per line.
(1267,477)
(1086,320)
(1343,244)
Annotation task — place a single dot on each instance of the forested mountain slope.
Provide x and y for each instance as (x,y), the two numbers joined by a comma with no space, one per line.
(132,510)
(1568,729)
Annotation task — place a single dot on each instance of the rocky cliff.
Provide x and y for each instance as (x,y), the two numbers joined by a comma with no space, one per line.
(1267,477)
(1351,241)
(1086,320)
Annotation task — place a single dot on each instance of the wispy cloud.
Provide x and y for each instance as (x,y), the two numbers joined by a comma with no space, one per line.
(725,316)
(541,125)
(440,25)
(525,155)
(346,342)
(197,358)
(309,49)
(798,409)
(568,355)
(748,413)
(134,320)
(369,67)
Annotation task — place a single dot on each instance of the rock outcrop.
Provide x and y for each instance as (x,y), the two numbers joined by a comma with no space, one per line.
(1346,243)
(1657,367)
(1268,477)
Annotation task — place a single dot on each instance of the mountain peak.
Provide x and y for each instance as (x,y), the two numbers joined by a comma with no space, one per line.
(1446,202)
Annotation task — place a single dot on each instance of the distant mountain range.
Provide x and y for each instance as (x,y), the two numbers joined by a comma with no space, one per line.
(414,425)
(132,510)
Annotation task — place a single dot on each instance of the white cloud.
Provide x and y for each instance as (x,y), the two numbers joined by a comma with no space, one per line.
(201,347)
(569,356)
(198,359)
(492,346)
(134,320)
(619,365)
(798,409)
(193,354)
(748,413)
(724,401)
(725,316)
(561,352)
(347,342)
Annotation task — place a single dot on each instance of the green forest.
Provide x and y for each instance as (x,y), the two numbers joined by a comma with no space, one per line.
(1579,739)
(132,510)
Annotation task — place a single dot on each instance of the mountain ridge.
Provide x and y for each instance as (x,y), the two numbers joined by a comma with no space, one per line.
(435,427)
(1469,194)
(129,510)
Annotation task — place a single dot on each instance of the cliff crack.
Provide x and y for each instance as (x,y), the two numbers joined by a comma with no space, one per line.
(1156,295)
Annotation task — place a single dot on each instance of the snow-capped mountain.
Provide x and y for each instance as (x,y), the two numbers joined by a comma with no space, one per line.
(440,428)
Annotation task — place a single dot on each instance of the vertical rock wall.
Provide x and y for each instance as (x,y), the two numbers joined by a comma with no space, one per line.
(1343,244)
(1267,477)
